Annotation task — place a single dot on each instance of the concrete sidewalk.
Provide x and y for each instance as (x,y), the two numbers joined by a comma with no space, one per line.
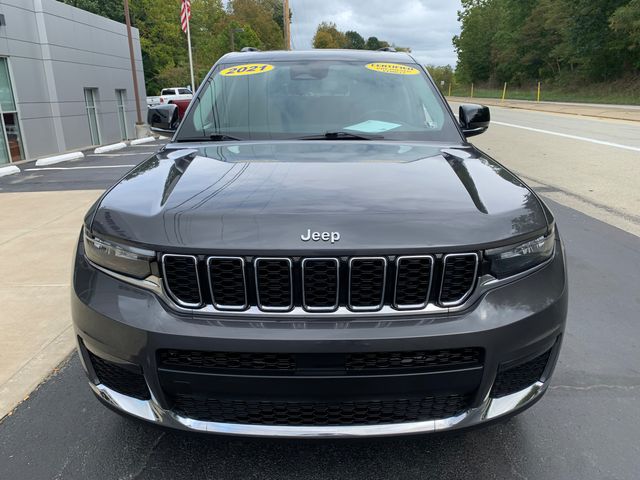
(617,112)
(38,231)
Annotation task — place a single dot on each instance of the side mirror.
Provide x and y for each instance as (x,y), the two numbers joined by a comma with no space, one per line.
(163,118)
(474,119)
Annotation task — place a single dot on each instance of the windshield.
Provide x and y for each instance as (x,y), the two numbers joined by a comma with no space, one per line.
(309,99)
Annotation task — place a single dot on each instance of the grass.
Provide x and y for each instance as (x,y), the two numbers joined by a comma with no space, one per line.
(621,92)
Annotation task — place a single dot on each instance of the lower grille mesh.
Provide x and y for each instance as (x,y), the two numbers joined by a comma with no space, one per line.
(226,360)
(370,412)
(519,377)
(463,357)
(122,380)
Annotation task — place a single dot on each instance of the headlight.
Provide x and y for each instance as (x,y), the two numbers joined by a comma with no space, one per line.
(507,261)
(135,262)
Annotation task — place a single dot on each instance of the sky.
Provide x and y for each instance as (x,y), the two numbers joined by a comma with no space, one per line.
(426,26)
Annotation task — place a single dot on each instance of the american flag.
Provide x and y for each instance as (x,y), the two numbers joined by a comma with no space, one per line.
(185,14)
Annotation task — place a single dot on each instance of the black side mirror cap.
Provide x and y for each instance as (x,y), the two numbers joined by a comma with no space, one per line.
(474,119)
(163,118)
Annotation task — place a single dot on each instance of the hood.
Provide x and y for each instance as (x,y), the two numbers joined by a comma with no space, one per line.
(379,196)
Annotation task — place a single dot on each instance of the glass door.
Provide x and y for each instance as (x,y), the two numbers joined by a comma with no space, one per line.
(122,113)
(10,137)
(92,114)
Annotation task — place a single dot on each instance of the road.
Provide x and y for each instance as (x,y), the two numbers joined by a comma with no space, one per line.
(589,164)
(587,426)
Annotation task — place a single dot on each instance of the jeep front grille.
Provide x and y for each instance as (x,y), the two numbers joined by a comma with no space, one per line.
(320,285)
(274,286)
(367,278)
(458,278)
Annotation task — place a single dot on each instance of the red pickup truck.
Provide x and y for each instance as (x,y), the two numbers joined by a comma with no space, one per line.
(182,105)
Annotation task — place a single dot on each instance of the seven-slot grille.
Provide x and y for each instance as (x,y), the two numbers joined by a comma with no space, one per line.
(361,284)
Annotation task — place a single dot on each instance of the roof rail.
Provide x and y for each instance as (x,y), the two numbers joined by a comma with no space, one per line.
(250,49)
(386,49)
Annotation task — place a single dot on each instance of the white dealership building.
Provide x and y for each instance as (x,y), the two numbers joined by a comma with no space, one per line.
(65,80)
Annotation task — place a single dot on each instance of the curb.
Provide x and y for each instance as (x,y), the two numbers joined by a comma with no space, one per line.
(59,158)
(9,170)
(549,107)
(110,148)
(140,141)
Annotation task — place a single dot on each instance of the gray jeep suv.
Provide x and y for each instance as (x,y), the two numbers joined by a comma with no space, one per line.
(319,252)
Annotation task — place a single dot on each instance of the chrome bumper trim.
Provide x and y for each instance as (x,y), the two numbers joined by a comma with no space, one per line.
(490,409)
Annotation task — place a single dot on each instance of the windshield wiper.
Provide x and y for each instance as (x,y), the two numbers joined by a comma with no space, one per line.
(342,136)
(216,137)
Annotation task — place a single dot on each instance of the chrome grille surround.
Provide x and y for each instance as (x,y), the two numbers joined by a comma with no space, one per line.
(173,296)
(256,267)
(366,308)
(419,306)
(223,307)
(311,308)
(443,277)
(157,286)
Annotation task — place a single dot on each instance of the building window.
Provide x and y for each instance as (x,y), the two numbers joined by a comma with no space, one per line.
(10,138)
(90,100)
(121,101)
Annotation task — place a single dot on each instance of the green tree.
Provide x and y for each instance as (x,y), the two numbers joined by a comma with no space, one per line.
(164,45)
(441,74)
(373,43)
(259,15)
(474,43)
(328,36)
(113,9)
(354,40)
(626,22)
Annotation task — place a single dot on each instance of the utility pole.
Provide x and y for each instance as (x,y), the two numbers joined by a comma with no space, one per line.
(287,25)
(133,64)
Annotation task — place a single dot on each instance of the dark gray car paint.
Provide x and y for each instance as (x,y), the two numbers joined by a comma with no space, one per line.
(122,322)
(261,196)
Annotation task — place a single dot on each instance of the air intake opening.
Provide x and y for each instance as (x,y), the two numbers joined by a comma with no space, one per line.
(519,377)
(127,380)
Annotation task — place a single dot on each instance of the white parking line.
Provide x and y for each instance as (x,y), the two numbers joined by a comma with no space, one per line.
(116,154)
(77,168)
(573,137)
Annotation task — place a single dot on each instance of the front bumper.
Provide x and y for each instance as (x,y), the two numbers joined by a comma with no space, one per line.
(512,324)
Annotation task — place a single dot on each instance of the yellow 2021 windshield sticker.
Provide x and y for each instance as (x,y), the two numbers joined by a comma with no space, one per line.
(247,69)
(394,68)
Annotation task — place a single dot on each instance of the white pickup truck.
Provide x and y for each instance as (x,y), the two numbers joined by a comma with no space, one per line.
(169,94)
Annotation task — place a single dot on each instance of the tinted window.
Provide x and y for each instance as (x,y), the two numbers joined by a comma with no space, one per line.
(290,100)
(168,91)
(184,91)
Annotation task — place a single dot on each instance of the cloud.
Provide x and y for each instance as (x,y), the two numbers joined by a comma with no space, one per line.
(426,26)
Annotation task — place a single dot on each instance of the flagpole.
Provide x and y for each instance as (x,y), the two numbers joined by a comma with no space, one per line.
(193,83)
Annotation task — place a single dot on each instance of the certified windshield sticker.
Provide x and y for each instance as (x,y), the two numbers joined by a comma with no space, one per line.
(395,68)
(247,69)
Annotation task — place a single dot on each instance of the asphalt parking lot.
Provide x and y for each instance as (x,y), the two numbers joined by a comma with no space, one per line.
(587,426)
